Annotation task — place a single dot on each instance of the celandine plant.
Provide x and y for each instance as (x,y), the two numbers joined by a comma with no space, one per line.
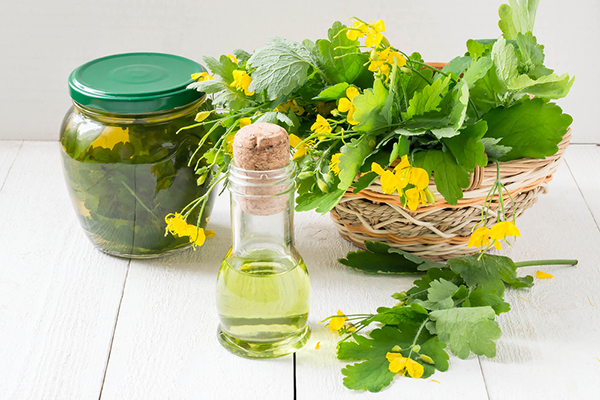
(358,108)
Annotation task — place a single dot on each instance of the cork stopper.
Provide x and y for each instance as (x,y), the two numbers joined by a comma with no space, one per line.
(261,147)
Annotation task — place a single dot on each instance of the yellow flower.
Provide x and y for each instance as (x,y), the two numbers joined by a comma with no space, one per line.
(301,149)
(232,58)
(290,104)
(543,275)
(202,76)
(414,197)
(321,125)
(503,229)
(399,364)
(390,182)
(241,81)
(480,238)
(176,225)
(374,36)
(357,30)
(382,61)
(334,165)
(337,323)
(244,122)
(345,104)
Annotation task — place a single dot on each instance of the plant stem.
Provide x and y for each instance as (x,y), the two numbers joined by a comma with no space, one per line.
(545,262)
(417,336)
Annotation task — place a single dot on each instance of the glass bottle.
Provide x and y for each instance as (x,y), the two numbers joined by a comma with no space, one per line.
(263,288)
(126,163)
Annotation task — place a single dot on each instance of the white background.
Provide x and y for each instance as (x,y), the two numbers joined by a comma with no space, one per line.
(41,42)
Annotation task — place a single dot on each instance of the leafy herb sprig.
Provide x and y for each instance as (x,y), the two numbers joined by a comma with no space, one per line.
(452,307)
(353,99)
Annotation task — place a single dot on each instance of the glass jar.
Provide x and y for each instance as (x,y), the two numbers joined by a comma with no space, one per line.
(126,162)
(263,288)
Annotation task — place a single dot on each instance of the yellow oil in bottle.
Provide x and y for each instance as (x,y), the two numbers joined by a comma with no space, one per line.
(263,300)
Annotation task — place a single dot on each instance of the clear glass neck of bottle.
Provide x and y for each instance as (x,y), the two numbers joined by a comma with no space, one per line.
(262,211)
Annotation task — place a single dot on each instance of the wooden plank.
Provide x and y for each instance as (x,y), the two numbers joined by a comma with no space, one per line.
(584,163)
(8,154)
(550,348)
(334,287)
(166,345)
(58,295)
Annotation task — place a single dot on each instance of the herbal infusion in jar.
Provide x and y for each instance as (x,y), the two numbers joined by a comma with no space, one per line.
(263,289)
(126,163)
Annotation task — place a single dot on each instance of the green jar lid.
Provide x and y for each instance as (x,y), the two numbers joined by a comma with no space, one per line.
(134,83)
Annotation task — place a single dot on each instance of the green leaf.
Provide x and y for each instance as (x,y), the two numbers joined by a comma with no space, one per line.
(548,87)
(493,150)
(481,297)
(423,264)
(333,92)
(400,148)
(505,62)
(449,177)
(479,48)
(467,148)
(532,128)
(460,95)
(368,106)
(322,202)
(212,86)
(434,348)
(377,260)
(280,67)
(364,182)
(486,271)
(428,99)
(421,285)
(445,132)
(439,295)
(373,374)
(519,17)
(241,55)
(353,156)
(342,60)
(223,67)
(477,70)
(467,329)
(405,315)
(457,65)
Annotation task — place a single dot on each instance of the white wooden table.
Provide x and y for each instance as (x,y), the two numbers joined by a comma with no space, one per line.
(78,324)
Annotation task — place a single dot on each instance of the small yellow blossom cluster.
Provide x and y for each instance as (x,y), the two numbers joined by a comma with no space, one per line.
(290,105)
(372,32)
(336,324)
(382,61)
(345,104)
(321,126)
(301,148)
(485,237)
(334,164)
(202,76)
(400,364)
(177,226)
(241,79)
(411,183)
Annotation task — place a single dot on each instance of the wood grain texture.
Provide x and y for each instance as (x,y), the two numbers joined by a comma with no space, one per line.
(58,295)
(584,163)
(166,346)
(334,287)
(551,337)
(8,153)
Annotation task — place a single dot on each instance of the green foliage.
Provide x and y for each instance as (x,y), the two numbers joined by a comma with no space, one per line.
(517,18)
(281,67)
(466,330)
(467,148)
(451,306)
(340,56)
(450,177)
(368,106)
(531,128)
(380,258)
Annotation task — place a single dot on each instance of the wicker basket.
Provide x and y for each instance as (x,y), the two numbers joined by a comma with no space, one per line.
(441,230)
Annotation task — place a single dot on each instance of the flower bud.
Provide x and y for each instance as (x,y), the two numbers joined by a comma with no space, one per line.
(396,349)
(416,348)
(323,186)
(201,116)
(427,359)
(429,196)
(406,70)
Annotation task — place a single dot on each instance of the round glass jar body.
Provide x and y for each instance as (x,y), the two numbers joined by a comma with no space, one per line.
(126,172)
